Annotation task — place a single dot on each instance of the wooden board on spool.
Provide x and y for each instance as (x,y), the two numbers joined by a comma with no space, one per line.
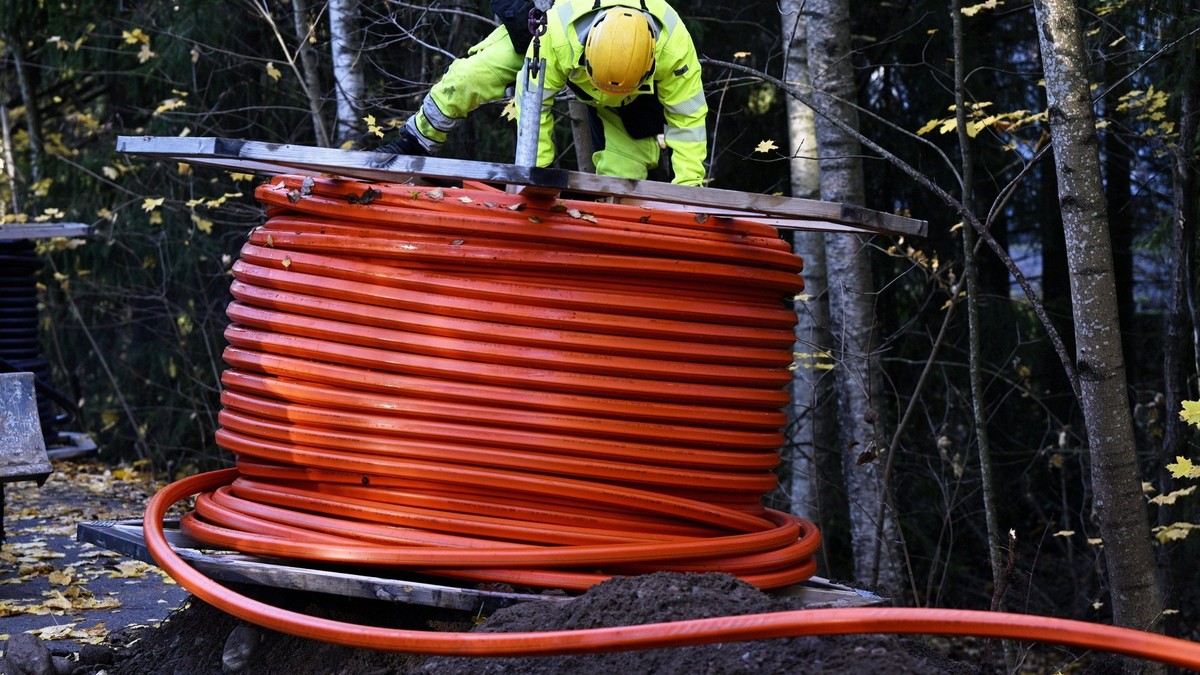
(536,183)
(126,537)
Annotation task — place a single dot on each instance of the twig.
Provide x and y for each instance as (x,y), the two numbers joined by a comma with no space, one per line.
(968,217)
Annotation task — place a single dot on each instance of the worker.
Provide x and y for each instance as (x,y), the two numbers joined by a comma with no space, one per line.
(631,61)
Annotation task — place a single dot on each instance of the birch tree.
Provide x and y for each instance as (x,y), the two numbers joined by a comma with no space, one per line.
(347,68)
(812,433)
(309,70)
(873,528)
(1118,502)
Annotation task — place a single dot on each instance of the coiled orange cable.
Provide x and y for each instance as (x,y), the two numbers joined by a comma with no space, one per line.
(465,383)
(470,384)
(1152,646)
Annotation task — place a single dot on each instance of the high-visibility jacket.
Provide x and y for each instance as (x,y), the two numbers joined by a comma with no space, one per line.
(675,84)
(488,69)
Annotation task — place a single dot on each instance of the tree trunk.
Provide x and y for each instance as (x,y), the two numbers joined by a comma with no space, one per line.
(33,120)
(851,298)
(1179,364)
(308,69)
(9,158)
(347,68)
(812,427)
(1118,192)
(974,324)
(1119,506)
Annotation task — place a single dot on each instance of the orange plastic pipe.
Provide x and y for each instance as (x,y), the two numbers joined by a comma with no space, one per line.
(503,397)
(568,294)
(1151,646)
(616,319)
(474,385)
(332,397)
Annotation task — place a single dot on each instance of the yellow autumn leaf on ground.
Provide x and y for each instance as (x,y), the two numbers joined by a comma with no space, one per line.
(124,473)
(59,601)
(61,577)
(92,603)
(93,635)
(130,569)
(9,608)
(54,632)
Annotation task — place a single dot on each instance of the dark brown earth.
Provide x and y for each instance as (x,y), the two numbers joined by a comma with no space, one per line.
(195,638)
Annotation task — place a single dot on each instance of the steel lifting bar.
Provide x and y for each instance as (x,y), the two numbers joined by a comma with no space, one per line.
(789,213)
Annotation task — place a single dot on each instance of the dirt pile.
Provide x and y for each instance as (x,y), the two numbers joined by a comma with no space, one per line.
(196,639)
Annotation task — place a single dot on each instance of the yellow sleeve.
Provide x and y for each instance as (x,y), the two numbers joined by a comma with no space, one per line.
(681,92)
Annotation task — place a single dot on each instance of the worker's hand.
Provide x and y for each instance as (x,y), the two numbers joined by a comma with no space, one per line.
(405,143)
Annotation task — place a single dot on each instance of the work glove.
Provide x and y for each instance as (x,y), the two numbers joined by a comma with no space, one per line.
(405,143)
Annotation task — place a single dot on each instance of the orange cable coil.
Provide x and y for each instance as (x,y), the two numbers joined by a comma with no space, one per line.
(470,384)
(476,385)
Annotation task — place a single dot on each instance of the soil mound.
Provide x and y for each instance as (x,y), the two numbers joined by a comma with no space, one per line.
(197,638)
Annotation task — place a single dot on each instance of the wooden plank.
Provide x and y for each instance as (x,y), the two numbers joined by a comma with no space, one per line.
(375,166)
(19,231)
(126,538)
(818,592)
(778,223)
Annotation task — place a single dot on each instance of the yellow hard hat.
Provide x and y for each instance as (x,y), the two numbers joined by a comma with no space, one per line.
(619,53)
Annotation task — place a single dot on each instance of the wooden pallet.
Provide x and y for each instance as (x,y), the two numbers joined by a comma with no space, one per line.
(126,537)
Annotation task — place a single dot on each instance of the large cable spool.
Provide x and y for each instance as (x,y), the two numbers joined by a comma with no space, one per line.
(467,383)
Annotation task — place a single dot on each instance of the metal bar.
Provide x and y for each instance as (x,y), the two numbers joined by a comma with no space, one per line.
(534,74)
(18,231)
(383,167)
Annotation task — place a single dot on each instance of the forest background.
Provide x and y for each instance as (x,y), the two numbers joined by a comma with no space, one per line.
(978,450)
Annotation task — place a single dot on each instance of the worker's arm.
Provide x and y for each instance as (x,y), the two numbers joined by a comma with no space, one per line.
(681,92)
